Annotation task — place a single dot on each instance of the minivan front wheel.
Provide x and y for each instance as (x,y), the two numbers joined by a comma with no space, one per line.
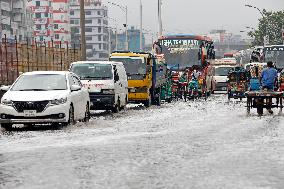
(87,114)
(116,108)
(71,120)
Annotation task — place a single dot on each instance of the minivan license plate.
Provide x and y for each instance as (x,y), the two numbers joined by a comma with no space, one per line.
(29,113)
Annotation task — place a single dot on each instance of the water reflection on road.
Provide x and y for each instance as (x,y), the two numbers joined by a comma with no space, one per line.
(196,144)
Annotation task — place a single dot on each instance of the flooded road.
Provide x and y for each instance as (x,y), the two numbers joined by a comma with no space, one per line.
(196,144)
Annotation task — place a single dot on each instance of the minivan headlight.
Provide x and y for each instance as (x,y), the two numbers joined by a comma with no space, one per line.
(7,102)
(108,91)
(58,101)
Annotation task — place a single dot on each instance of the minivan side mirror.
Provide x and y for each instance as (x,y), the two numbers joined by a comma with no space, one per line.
(75,88)
(5,88)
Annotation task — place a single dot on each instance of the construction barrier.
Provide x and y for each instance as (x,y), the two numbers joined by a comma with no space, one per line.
(17,58)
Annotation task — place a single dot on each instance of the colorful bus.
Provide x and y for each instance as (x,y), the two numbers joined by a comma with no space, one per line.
(185,51)
(275,53)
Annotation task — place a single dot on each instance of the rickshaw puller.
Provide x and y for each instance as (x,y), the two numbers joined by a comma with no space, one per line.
(268,79)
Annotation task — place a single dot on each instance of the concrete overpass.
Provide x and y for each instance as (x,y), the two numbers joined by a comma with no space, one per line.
(222,48)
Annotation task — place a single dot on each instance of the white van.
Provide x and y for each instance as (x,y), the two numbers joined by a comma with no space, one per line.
(106,82)
(219,77)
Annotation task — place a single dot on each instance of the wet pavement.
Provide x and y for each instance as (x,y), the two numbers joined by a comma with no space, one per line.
(198,144)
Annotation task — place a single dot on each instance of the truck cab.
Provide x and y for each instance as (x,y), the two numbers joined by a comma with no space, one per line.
(145,76)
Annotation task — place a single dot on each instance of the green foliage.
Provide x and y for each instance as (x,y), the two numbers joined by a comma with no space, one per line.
(271,25)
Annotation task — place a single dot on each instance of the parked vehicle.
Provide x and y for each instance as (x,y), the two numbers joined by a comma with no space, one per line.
(106,82)
(44,97)
(146,76)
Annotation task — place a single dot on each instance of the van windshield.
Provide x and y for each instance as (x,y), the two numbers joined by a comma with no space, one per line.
(222,71)
(93,71)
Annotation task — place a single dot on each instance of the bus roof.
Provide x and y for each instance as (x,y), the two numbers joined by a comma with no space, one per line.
(274,48)
(186,36)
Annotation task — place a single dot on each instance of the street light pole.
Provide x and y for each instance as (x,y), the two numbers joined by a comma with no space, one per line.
(125,9)
(82,26)
(160,17)
(266,37)
(116,38)
(282,32)
(109,40)
(126,29)
(1,18)
(141,26)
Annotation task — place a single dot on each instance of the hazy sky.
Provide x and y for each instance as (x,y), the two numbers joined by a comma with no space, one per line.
(195,16)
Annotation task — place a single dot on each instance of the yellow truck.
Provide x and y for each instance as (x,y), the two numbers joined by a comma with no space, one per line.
(146,76)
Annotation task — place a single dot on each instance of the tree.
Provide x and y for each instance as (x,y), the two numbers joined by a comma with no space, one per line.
(269,25)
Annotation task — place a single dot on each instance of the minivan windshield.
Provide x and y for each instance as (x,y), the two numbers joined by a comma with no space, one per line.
(133,65)
(93,71)
(222,71)
(40,82)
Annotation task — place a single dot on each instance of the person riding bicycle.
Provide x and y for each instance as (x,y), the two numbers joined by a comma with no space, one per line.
(268,79)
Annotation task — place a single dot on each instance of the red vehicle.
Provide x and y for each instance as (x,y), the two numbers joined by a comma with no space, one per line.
(229,55)
(186,53)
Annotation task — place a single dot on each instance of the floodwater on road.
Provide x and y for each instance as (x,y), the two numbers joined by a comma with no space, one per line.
(194,144)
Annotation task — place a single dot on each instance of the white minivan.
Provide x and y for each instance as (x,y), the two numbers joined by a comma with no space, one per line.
(106,82)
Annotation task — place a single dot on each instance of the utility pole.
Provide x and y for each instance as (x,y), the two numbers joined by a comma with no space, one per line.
(116,38)
(83,33)
(141,26)
(109,40)
(1,18)
(126,30)
(283,33)
(266,37)
(160,18)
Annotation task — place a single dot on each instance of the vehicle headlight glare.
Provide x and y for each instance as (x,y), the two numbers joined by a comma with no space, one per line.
(58,101)
(7,102)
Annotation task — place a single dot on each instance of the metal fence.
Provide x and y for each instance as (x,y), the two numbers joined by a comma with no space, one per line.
(17,58)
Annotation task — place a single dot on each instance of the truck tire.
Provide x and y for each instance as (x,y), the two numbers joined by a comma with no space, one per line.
(169,100)
(148,103)
(158,100)
(116,108)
